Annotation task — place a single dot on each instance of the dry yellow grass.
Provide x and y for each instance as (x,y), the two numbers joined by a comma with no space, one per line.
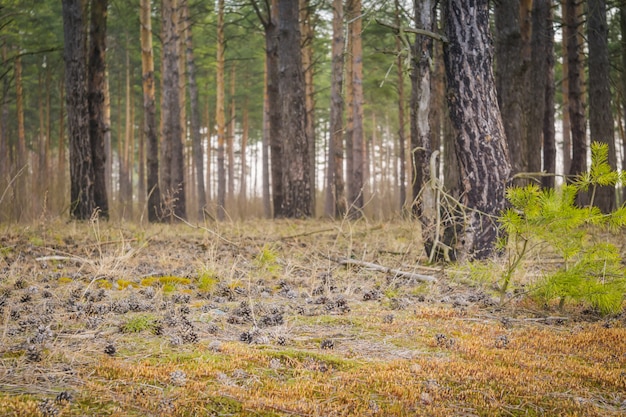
(282,330)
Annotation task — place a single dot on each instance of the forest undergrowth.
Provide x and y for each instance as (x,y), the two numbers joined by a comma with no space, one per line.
(266,318)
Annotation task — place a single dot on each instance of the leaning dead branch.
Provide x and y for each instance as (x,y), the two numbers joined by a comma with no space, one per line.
(384,269)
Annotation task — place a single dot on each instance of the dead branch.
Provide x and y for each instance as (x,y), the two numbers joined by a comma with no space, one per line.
(384,269)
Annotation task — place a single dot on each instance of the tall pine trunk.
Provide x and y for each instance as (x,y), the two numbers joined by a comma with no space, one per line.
(296,182)
(357,198)
(96,88)
(335,200)
(149,108)
(81,162)
(219,115)
(600,112)
(480,143)
(196,138)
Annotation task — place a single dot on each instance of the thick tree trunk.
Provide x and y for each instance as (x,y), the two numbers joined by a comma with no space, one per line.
(81,162)
(265,151)
(219,115)
(149,107)
(96,88)
(230,137)
(335,198)
(196,138)
(296,182)
(481,144)
(173,172)
(600,112)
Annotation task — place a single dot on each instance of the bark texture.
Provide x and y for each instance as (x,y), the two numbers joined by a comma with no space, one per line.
(96,88)
(480,143)
(81,162)
(296,181)
(173,169)
(149,115)
(335,205)
(600,111)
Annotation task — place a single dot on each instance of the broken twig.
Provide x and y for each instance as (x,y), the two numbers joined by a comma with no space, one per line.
(380,268)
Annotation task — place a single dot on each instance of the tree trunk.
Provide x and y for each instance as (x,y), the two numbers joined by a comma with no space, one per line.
(571,19)
(219,115)
(600,111)
(549,135)
(296,182)
(265,150)
(149,107)
(308,35)
(401,105)
(511,79)
(481,143)
(81,162)
(335,205)
(96,83)
(622,20)
(245,128)
(230,137)
(536,93)
(196,138)
(173,173)
(357,198)
(21,170)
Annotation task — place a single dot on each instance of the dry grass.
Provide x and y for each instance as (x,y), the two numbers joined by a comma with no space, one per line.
(254,319)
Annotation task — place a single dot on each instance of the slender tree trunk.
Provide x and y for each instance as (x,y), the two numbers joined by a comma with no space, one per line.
(349,106)
(308,35)
(149,107)
(4,127)
(21,171)
(173,160)
(549,134)
(401,106)
(245,128)
(81,162)
(62,158)
(230,137)
(220,116)
(196,138)
(481,143)
(335,200)
(296,182)
(622,20)
(96,88)
(511,78)
(265,151)
(571,20)
(566,125)
(600,112)
(357,198)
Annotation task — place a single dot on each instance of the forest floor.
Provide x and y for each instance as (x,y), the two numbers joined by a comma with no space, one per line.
(259,319)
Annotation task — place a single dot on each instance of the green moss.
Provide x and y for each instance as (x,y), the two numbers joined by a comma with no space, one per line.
(139,324)
(123,284)
(207,280)
(65,280)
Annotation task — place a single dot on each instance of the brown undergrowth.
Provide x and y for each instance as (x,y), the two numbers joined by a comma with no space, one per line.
(256,319)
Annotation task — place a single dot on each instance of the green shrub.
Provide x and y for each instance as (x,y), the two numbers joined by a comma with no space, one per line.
(547,221)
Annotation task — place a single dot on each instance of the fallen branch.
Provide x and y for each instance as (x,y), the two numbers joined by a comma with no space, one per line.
(63,258)
(386,270)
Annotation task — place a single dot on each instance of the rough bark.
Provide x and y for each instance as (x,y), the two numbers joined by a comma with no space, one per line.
(265,151)
(308,34)
(511,79)
(401,106)
(149,109)
(196,138)
(296,182)
(173,172)
(21,170)
(230,136)
(335,198)
(480,144)
(96,88)
(81,163)
(549,134)
(571,20)
(600,111)
(219,115)
(622,20)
